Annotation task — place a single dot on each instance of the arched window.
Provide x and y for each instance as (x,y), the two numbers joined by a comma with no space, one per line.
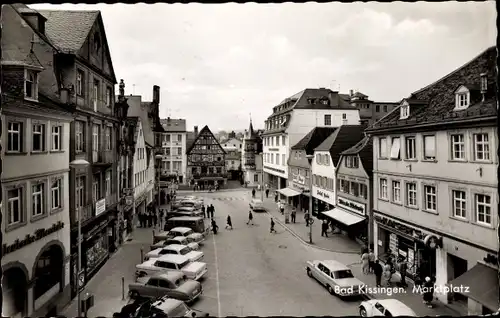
(48,270)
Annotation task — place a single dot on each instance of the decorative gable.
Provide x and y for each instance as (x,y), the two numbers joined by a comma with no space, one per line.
(404,110)
(462,98)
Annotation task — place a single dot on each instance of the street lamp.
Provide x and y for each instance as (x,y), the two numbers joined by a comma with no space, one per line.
(158,157)
(309,159)
(77,164)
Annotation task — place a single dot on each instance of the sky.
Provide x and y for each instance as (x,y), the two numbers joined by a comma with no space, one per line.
(219,64)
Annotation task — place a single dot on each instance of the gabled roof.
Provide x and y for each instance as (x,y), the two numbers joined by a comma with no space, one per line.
(190,137)
(173,125)
(203,131)
(343,138)
(437,100)
(313,138)
(15,56)
(364,148)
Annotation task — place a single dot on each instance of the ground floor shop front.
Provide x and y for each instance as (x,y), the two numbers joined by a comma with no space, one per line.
(275,181)
(347,223)
(467,274)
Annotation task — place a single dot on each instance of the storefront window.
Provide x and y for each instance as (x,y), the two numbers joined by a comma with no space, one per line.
(97,252)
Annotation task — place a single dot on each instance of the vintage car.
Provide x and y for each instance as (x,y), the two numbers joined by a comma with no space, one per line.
(188,233)
(170,262)
(176,249)
(186,211)
(176,240)
(172,284)
(167,307)
(336,277)
(385,307)
(195,223)
(257,205)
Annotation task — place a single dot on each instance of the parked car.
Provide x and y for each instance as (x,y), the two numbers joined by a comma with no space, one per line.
(195,223)
(336,277)
(176,240)
(257,205)
(167,307)
(385,307)
(176,249)
(188,233)
(172,284)
(130,309)
(186,211)
(191,203)
(170,262)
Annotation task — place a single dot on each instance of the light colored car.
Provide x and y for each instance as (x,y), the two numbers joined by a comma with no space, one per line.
(167,307)
(170,262)
(188,233)
(385,307)
(176,249)
(172,284)
(336,277)
(187,211)
(257,205)
(181,240)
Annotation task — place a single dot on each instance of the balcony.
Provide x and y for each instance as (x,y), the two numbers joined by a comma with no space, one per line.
(103,157)
(209,175)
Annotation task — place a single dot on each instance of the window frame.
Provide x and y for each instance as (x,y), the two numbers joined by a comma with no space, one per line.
(407,195)
(43,136)
(34,84)
(381,189)
(486,205)
(80,191)
(41,195)
(404,112)
(380,154)
(108,186)
(109,93)
(426,195)
(80,144)
(393,147)
(59,181)
(414,147)
(393,190)
(108,138)
(59,134)
(95,94)
(424,155)
(80,82)
(20,198)
(327,120)
(21,124)
(462,200)
(454,143)
(475,144)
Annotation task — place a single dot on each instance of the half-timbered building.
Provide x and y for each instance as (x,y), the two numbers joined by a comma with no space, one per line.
(206,161)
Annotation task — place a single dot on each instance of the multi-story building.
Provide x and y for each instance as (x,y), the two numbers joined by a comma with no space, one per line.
(353,206)
(251,153)
(173,143)
(299,174)
(435,178)
(233,143)
(293,118)
(233,163)
(206,160)
(324,165)
(370,111)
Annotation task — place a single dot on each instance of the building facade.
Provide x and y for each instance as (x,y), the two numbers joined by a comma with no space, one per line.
(251,157)
(292,119)
(233,163)
(435,180)
(233,143)
(370,111)
(173,143)
(324,165)
(353,207)
(206,165)
(35,179)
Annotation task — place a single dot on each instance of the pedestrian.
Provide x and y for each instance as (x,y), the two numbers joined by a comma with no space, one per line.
(250,217)
(212,211)
(215,227)
(282,208)
(364,261)
(253,193)
(150,219)
(428,291)
(155,219)
(294,214)
(306,218)
(160,218)
(204,211)
(386,275)
(371,261)
(402,271)
(229,223)
(267,193)
(392,269)
(272,226)
(276,196)
(324,228)
(377,269)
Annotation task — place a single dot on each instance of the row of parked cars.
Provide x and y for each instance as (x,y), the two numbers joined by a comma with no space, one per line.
(168,279)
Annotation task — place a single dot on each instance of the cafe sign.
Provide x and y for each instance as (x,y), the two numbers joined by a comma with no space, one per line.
(31,238)
(322,194)
(359,208)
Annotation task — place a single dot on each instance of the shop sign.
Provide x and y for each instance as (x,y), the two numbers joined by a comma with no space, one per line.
(352,205)
(100,206)
(432,241)
(298,187)
(404,229)
(322,194)
(129,200)
(31,238)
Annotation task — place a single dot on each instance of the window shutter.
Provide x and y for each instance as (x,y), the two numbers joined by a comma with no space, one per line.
(430,146)
(395,148)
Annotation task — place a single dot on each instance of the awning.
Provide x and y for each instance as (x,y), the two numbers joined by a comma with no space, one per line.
(288,192)
(343,216)
(482,283)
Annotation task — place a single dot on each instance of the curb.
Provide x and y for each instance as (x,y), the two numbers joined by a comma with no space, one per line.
(306,243)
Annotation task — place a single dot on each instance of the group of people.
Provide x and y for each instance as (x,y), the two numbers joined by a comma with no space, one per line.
(208,211)
(258,189)
(148,218)
(198,187)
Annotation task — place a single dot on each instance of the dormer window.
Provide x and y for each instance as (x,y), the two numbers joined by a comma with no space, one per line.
(31,84)
(484,82)
(404,110)
(462,98)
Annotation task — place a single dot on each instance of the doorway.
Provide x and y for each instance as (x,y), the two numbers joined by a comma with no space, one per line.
(458,268)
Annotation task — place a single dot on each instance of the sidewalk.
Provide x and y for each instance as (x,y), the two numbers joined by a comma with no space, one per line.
(339,243)
(106,285)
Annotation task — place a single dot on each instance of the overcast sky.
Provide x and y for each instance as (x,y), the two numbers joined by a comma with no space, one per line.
(216,64)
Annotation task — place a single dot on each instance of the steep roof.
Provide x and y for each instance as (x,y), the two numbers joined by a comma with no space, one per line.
(435,103)
(204,130)
(173,125)
(364,148)
(190,137)
(313,138)
(343,138)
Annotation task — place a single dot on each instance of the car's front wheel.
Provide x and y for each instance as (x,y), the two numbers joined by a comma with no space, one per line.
(309,273)
(330,290)
(133,294)
(362,312)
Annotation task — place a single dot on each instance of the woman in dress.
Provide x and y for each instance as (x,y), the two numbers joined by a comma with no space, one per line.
(386,276)
(365,262)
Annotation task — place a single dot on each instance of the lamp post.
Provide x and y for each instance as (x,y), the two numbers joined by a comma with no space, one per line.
(262,177)
(158,158)
(309,159)
(76,164)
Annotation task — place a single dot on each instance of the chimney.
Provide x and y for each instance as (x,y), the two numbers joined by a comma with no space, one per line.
(34,18)
(351,92)
(195,131)
(484,85)
(156,94)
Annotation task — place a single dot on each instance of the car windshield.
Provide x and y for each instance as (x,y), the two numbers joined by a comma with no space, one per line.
(181,265)
(180,311)
(172,234)
(346,273)
(184,251)
(189,204)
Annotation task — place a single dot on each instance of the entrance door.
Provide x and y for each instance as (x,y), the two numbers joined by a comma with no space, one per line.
(457,268)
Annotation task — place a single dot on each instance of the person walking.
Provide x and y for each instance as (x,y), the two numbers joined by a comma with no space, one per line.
(386,275)
(402,271)
(428,291)
(276,196)
(306,218)
(293,214)
(267,193)
(324,228)
(160,218)
(392,269)
(272,226)
(212,211)
(203,209)
(229,224)
(282,208)
(253,193)
(378,270)
(250,218)
(155,219)
(364,261)
(371,261)
(215,227)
